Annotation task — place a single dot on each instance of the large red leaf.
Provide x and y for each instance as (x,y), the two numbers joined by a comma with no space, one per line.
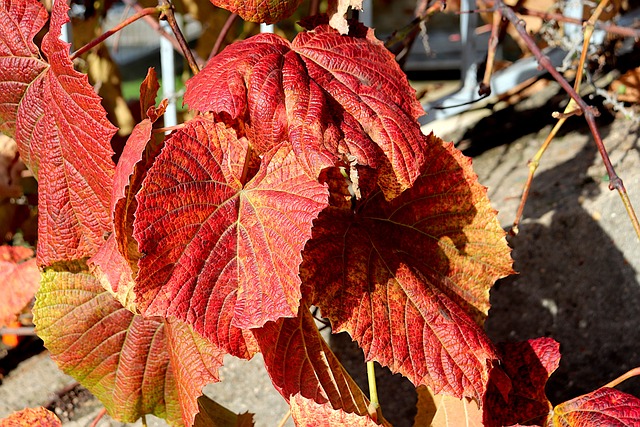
(300,363)
(603,407)
(338,99)
(59,118)
(528,365)
(407,278)
(134,365)
(19,280)
(20,62)
(268,11)
(219,253)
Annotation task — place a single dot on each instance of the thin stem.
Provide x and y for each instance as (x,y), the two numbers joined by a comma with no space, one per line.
(589,112)
(140,14)
(284,419)
(223,34)
(314,7)
(184,46)
(168,128)
(98,417)
(485,85)
(630,374)
(144,420)
(374,405)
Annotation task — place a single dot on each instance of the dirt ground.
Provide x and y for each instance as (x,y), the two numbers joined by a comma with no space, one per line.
(576,253)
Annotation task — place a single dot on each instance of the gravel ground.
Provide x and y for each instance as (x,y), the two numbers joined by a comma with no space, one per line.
(576,253)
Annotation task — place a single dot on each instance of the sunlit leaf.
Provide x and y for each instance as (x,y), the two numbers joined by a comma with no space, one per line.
(267,11)
(59,118)
(409,278)
(337,99)
(19,279)
(603,407)
(440,410)
(134,365)
(220,253)
(307,412)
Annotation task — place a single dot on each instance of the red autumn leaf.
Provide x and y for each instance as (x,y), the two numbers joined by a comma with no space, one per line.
(20,62)
(134,365)
(603,407)
(32,417)
(301,363)
(59,118)
(220,253)
(336,98)
(528,365)
(19,280)
(306,412)
(267,11)
(407,278)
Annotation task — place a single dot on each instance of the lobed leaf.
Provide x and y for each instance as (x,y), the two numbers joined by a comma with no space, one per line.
(528,365)
(58,117)
(214,414)
(134,365)
(338,99)
(20,61)
(19,280)
(267,11)
(309,413)
(406,278)
(603,407)
(300,363)
(220,253)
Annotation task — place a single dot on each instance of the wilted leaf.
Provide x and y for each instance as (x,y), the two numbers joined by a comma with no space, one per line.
(220,253)
(407,278)
(59,118)
(300,362)
(213,414)
(603,407)
(134,365)
(309,413)
(32,417)
(19,280)
(20,62)
(334,97)
(439,410)
(267,11)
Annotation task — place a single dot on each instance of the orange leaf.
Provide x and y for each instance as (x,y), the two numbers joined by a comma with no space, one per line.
(438,410)
(32,417)
(19,280)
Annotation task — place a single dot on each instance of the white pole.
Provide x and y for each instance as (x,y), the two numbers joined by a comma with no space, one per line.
(266,28)
(167,66)
(366,15)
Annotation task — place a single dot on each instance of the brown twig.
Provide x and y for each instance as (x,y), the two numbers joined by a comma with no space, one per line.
(140,14)
(590,113)
(485,85)
(223,34)
(314,7)
(167,12)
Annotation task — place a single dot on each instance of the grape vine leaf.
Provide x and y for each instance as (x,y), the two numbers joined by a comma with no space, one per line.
(19,280)
(307,412)
(337,99)
(267,11)
(408,277)
(213,414)
(441,410)
(32,417)
(300,363)
(603,407)
(221,251)
(528,365)
(20,62)
(134,365)
(59,118)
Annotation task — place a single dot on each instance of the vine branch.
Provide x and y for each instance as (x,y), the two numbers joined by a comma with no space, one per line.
(167,12)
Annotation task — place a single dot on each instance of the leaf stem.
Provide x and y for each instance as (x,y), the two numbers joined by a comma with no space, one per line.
(223,34)
(167,7)
(98,417)
(374,405)
(632,373)
(144,420)
(284,419)
(140,14)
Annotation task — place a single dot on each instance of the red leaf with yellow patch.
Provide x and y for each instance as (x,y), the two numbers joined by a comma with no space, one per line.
(409,278)
(603,407)
(267,11)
